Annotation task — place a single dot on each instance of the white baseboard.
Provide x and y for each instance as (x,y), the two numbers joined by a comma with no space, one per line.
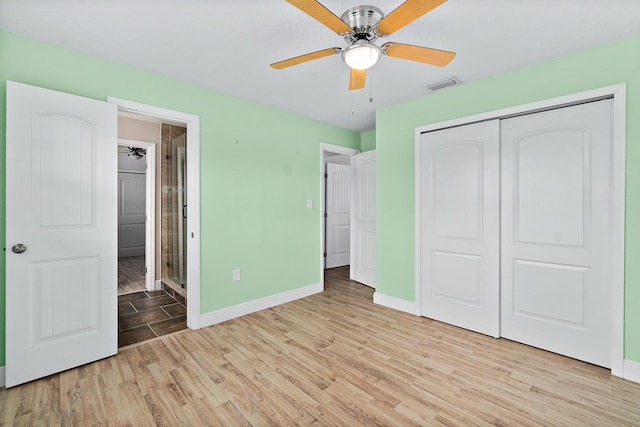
(3,378)
(631,370)
(158,285)
(249,307)
(400,304)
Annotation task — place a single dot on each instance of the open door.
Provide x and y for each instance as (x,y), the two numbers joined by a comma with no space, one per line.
(337,214)
(363,220)
(61,222)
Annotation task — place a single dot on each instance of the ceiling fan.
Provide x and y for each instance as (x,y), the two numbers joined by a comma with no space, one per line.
(136,152)
(361,26)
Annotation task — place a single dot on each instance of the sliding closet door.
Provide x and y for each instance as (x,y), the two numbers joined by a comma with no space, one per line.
(556,177)
(459,223)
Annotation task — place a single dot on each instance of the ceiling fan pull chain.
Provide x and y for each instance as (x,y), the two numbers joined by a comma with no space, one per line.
(370,86)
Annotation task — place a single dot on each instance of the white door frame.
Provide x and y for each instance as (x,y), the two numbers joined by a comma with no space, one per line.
(335,149)
(192,124)
(150,208)
(616,256)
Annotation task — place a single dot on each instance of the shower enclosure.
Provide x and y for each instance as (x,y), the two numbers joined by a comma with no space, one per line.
(174,208)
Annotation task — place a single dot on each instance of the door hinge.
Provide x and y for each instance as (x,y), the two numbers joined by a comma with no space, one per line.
(145,270)
(325,254)
(325,214)
(325,176)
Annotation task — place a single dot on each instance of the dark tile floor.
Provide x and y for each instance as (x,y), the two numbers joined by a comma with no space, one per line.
(148,314)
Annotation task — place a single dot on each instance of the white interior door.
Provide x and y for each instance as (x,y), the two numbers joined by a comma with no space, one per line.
(363,220)
(459,226)
(556,172)
(338,210)
(131,213)
(61,204)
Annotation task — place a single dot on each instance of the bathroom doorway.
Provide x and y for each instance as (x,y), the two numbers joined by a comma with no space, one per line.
(152,211)
(191,123)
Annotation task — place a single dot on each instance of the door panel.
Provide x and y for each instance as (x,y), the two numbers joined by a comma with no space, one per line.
(61,203)
(456,277)
(131,213)
(456,193)
(555,217)
(363,248)
(459,226)
(549,292)
(563,155)
(338,209)
(67,195)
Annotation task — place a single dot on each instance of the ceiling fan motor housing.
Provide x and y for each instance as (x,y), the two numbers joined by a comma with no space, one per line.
(363,21)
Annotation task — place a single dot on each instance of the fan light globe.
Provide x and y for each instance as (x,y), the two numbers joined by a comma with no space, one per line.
(361,55)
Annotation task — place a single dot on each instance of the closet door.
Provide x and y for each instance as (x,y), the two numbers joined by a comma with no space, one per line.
(459,226)
(555,222)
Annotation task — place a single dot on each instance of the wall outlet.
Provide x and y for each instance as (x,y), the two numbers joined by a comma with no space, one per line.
(236,275)
(309,204)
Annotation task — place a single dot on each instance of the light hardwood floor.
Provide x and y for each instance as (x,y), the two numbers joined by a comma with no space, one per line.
(329,359)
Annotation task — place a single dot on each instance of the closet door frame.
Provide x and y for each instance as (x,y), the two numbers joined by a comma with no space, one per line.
(616,256)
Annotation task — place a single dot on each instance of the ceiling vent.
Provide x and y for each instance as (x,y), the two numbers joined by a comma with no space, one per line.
(442,84)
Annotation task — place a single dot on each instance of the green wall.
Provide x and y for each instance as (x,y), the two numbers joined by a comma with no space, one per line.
(368,140)
(258,167)
(614,63)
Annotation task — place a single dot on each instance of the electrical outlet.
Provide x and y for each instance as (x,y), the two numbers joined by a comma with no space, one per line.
(309,204)
(236,275)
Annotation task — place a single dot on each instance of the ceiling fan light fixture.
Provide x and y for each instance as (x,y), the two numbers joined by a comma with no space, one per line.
(136,152)
(361,55)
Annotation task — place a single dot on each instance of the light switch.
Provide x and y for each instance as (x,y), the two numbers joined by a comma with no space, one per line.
(309,204)
(236,275)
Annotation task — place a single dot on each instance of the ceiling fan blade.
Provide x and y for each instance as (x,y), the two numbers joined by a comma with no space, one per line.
(305,58)
(357,79)
(406,13)
(418,53)
(321,14)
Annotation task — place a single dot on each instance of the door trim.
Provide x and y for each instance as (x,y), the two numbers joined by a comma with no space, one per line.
(616,256)
(192,123)
(150,197)
(336,149)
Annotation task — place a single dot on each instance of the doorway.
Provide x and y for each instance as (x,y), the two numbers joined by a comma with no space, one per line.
(151,229)
(136,207)
(144,312)
(335,231)
(179,130)
(337,176)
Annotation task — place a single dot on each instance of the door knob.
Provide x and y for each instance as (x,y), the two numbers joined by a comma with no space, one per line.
(19,248)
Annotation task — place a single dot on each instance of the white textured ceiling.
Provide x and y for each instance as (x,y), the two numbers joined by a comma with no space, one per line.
(227,45)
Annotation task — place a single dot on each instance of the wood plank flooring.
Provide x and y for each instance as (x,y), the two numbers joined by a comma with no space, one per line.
(130,274)
(331,359)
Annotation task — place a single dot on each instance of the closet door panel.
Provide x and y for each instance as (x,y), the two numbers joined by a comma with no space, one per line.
(459,223)
(555,222)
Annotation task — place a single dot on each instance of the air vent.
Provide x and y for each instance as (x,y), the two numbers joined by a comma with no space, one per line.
(442,84)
